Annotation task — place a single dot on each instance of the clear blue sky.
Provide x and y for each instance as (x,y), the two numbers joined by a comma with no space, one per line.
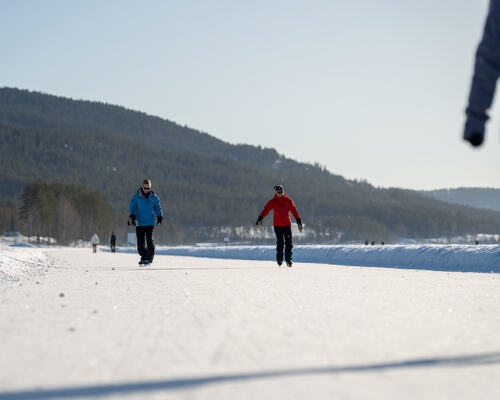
(371,89)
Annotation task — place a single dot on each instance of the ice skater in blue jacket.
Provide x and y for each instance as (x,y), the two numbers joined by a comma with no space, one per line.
(486,73)
(144,212)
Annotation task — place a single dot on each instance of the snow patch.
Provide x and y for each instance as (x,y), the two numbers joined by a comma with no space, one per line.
(19,261)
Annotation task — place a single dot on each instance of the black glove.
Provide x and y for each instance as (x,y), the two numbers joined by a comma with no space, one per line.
(476,139)
(131,220)
(259,221)
(159,220)
(299,224)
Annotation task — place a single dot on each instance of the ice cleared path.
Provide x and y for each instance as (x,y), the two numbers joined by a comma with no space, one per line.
(97,326)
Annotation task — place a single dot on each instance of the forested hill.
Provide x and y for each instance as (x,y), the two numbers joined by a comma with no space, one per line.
(204,183)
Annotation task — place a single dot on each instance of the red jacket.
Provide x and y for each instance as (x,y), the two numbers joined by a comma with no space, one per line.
(281,207)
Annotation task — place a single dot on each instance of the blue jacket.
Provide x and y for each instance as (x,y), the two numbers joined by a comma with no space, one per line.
(145,209)
(486,73)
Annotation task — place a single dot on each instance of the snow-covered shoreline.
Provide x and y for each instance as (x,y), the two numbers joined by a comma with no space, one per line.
(19,260)
(457,258)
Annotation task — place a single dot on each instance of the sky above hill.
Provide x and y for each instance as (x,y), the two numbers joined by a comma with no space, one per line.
(371,90)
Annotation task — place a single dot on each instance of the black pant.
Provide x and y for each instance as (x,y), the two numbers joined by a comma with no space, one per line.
(283,238)
(113,247)
(145,236)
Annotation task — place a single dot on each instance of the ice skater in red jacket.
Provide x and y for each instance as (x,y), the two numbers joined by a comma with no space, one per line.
(282,205)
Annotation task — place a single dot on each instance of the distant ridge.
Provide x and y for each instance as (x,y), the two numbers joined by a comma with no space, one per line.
(210,189)
(488,198)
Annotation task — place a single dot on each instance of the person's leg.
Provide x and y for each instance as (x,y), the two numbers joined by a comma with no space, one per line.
(141,242)
(150,243)
(94,248)
(279,244)
(288,244)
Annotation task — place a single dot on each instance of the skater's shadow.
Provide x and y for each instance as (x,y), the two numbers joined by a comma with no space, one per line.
(189,383)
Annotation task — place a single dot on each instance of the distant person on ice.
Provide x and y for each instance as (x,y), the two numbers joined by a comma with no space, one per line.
(486,72)
(94,241)
(282,205)
(112,242)
(143,208)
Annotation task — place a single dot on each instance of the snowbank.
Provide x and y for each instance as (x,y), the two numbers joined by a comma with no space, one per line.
(20,260)
(464,258)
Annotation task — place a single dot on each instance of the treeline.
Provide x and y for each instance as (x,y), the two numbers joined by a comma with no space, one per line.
(64,212)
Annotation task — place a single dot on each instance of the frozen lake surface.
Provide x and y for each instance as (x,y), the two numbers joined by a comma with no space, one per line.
(78,325)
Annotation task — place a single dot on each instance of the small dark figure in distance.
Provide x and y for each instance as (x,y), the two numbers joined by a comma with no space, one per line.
(112,242)
(143,208)
(486,72)
(282,205)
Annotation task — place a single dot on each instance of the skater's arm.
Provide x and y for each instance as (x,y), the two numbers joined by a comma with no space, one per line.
(486,73)
(132,211)
(293,209)
(132,208)
(157,206)
(268,207)
(158,211)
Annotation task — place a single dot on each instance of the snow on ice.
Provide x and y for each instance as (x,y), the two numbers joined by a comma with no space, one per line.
(235,326)
(20,260)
